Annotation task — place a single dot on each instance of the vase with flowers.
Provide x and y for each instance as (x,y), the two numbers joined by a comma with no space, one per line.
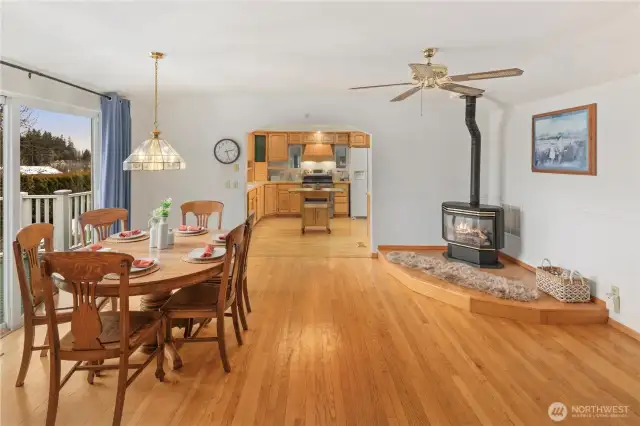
(162,213)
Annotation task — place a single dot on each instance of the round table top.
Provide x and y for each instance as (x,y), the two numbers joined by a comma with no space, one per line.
(174,273)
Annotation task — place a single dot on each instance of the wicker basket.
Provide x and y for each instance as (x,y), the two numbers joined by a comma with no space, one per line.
(568,287)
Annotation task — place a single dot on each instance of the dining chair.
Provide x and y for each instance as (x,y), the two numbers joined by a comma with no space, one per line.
(244,292)
(202,210)
(96,336)
(102,221)
(28,246)
(211,299)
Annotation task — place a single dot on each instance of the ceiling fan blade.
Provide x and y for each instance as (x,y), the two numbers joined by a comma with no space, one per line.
(509,72)
(380,85)
(405,95)
(459,88)
(421,71)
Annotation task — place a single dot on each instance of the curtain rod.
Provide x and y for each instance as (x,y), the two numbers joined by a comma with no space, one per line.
(38,73)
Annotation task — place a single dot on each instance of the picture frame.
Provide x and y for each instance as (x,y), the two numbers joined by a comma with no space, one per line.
(564,141)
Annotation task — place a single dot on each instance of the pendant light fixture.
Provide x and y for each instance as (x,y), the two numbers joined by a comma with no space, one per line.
(154,154)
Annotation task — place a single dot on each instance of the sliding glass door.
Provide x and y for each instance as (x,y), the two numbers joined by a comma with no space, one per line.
(48,167)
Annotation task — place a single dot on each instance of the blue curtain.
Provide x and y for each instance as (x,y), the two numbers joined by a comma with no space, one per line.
(115,183)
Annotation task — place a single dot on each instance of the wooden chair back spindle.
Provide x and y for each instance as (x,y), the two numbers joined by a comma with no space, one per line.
(82,271)
(28,242)
(102,221)
(231,271)
(202,210)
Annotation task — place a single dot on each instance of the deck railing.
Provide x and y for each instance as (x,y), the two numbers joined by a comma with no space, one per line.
(63,210)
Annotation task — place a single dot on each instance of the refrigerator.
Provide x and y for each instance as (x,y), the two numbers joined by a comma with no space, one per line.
(359,177)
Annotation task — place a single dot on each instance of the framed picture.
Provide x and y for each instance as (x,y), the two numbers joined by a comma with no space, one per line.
(565,141)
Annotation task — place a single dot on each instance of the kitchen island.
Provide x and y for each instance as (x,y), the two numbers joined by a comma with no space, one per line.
(315,204)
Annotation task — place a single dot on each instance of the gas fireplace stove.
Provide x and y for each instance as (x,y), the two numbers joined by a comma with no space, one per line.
(474,232)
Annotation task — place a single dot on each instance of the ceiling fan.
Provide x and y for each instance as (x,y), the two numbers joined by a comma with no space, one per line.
(429,76)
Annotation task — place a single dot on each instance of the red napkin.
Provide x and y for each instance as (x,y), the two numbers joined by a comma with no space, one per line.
(183,228)
(222,237)
(127,234)
(208,251)
(142,263)
(91,247)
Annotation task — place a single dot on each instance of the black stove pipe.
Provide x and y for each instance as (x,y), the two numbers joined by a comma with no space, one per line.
(470,120)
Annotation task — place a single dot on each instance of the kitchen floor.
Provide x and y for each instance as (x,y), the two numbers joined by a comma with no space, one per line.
(281,237)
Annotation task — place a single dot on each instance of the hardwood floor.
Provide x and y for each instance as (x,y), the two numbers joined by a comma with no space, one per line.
(281,237)
(339,341)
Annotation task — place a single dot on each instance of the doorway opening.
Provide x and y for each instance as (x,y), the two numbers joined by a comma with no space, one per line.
(310,190)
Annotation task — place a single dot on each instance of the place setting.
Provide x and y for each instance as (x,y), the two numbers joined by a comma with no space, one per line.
(189,231)
(139,268)
(128,236)
(207,254)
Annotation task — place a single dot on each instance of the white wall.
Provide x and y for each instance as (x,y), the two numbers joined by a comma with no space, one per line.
(418,162)
(588,223)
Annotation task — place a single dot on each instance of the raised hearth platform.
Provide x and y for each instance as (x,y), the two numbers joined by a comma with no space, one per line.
(545,310)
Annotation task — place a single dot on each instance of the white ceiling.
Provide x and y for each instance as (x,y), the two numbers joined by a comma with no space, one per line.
(239,46)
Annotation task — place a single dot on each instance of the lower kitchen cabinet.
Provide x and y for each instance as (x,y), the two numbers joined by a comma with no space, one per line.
(270,199)
(316,217)
(294,202)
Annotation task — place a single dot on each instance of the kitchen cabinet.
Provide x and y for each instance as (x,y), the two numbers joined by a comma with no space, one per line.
(316,217)
(342,139)
(359,140)
(260,173)
(260,203)
(294,202)
(327,138)
(309,138)
(251,201)
(295,138)
(285,203)
(270,199)
(277,147)
(341,200)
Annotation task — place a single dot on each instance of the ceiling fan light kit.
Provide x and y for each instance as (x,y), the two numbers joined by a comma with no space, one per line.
(154,154)
(431,76)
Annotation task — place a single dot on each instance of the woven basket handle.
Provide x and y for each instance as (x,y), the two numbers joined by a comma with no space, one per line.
(545,260)
(577,274)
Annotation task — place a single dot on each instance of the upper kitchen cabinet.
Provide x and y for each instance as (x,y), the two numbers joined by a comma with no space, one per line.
(309,138)
(359,140)
(295,138)
(342,139)
(329,138)
(277,149)
(260,157)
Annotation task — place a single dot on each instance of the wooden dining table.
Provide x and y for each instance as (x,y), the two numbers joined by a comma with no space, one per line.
(156,287)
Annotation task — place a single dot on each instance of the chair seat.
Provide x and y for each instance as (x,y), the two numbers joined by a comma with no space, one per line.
(141,324)
(63,302)
(199,297)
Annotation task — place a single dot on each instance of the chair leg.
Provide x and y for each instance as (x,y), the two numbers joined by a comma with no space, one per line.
(236,325)
(222,346)
(188,328)
(245,292)
(241,314)
(160,353)
(114,304)
(44,352)
(121,390)
(54,389)
(29,336)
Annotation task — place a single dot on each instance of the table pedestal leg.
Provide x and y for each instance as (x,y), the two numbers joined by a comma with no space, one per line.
(153,302)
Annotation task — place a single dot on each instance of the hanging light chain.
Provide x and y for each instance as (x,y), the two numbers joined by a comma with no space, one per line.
(155,111)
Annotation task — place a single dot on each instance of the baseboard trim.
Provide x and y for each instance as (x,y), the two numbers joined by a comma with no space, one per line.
(374,255)
(624,329)
(408,248)
(517,261)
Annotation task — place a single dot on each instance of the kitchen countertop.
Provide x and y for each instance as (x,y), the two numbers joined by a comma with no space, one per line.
(254,185)
(313,190)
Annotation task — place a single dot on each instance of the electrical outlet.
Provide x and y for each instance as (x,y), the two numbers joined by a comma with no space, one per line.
(614,295)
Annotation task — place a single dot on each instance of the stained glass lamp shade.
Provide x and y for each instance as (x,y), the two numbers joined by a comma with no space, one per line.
(153,155)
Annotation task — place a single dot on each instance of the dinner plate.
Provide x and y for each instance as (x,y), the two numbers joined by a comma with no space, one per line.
(118,237)
(216,239)
(134,269)
(196,253)
(188,232)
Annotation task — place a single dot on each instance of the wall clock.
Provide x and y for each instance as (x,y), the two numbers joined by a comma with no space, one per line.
(226,151)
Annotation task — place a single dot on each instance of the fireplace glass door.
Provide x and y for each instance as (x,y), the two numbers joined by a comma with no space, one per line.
(473,231)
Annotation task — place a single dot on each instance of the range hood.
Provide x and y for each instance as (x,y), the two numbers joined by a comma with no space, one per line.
(317,152)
